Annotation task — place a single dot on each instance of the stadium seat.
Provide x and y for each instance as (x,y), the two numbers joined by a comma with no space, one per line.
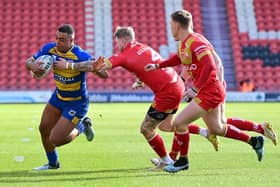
(23,23)
(260,46)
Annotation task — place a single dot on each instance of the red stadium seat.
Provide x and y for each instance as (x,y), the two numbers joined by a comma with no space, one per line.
(23,23)
(263,74)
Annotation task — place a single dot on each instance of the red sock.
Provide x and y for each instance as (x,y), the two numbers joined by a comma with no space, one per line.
(183,141)
(235,133)
(245,125)
(174,149)
(193,129)
(158,145)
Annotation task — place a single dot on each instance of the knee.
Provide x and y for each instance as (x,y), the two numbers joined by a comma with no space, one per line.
(218,130)
(56,141)
(44,131)
(178,126)
(147,132)
(167,129)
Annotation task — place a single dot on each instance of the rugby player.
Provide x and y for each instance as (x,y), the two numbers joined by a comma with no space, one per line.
(207,93)
(63,118)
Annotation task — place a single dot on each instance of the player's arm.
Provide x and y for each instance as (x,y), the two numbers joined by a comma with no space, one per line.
(219,66)
(92,66)
(137,84)
(102,74)
(184,74)
(174,60)
(62,64)
(207,59)
(84,66)
(34,67)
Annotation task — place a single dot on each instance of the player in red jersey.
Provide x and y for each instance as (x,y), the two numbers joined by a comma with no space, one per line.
(208,92)
(165,83)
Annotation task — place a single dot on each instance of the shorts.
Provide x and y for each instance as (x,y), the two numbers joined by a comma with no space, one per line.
(160,116)
(74,111)
(169,98)
(211,96)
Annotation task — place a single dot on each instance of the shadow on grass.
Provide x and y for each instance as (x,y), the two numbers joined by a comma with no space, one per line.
(27,176)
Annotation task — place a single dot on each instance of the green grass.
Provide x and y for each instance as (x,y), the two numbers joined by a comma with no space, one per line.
(119,156)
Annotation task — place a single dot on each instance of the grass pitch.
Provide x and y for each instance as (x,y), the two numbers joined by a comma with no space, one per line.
(119,155)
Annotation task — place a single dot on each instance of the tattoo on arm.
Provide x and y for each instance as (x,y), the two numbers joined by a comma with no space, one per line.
(83,66)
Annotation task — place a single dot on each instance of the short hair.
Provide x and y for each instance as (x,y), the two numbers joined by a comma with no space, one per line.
(183,17)
(124,32)
(67,28)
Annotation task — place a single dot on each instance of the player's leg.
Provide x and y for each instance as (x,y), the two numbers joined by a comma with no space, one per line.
(49,118)
(166,125)
(189,114)
(63,132)
(264,128)
(88,128)
(216,126)
(70,125)
(148,126)
(242,124)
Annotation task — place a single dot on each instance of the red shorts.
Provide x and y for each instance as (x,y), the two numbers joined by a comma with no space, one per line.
(169,98)
(211,96)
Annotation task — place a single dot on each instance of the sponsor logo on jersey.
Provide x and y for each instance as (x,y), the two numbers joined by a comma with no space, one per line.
(72,112)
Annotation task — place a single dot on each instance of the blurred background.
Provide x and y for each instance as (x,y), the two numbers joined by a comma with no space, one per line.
(245,33)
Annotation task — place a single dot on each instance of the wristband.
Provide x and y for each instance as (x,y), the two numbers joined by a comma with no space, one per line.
(194,90)
(183,79)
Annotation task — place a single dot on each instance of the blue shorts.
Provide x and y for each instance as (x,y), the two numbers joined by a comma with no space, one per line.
(74,111)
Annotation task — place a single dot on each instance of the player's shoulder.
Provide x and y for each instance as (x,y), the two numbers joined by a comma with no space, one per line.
(48,46)
(199,42)
(81,53)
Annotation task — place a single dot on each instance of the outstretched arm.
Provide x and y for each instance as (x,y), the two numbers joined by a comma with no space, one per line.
(62,64)
(102,74)
(85,66)
(172,61)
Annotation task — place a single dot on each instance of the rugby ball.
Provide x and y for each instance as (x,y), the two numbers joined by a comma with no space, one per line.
(46,65)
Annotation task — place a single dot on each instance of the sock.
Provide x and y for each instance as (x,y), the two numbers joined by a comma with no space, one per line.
(52,157)
(167,159)
(183,141)
(246,125)
(203,132)
(80,126)
(193,129)
(158,145)
(235,133)
(174,149)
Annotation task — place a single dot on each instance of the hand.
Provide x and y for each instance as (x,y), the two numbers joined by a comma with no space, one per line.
(150,67)
(190,94)
(137,84)
(99,64)
(61,64)
(36,69)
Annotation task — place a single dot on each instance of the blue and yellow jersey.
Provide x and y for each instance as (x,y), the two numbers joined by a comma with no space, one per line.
(70,84)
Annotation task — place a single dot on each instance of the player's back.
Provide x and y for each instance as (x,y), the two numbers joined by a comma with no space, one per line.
(137,55)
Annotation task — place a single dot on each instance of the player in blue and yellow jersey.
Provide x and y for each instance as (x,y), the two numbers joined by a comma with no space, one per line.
(63,118)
